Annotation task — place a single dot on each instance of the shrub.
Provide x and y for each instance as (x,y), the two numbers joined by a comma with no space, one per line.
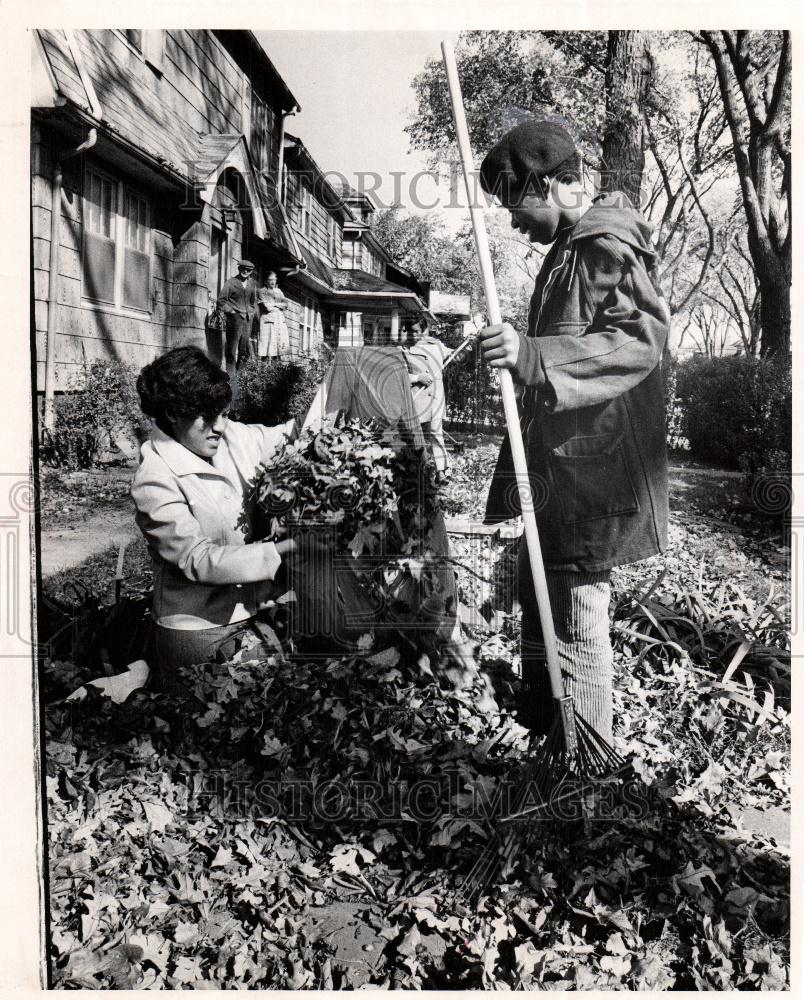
(737,411)
(102,405)
(273,393)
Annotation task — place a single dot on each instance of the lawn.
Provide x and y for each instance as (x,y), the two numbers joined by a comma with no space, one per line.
(312,825)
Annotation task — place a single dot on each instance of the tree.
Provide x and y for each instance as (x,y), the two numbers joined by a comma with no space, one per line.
(754,76)
(507,76)
(732,286)
(422,244)
(629,67)
(689,158)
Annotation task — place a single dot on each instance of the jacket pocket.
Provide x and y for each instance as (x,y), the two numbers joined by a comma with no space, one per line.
(591,478)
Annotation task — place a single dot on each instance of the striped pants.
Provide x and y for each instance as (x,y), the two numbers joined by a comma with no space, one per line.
(580,607)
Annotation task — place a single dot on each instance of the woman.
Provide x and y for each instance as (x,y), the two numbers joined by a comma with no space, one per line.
(274,340)
(193,507)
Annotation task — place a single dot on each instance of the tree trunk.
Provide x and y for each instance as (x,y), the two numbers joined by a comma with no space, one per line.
(628,75)
(759,153)
(774,311)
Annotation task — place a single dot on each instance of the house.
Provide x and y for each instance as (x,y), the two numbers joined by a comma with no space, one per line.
(364,295)
(159,160)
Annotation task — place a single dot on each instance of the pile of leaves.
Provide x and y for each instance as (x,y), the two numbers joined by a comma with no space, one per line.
(309,825)
(372,498)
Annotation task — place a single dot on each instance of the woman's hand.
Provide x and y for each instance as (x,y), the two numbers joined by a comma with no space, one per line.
(421,378)
(500,345)
(286,547)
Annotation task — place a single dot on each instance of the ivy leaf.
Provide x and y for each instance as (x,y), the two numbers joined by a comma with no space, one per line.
(157,815)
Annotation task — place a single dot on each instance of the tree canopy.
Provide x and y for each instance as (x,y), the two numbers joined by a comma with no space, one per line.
(650,113)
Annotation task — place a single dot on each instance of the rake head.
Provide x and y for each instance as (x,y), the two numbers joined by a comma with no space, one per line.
(560,794)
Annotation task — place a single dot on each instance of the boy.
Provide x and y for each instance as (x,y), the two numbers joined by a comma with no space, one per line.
(592,411)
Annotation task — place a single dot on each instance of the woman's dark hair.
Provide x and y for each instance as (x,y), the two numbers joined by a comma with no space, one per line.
(184,383)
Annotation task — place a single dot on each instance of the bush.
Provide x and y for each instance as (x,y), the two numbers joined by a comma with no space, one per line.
(103,404)
(737,411)
(273,393)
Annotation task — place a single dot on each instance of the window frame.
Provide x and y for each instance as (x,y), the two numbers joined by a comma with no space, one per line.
(119,239)
(266,124)
(151,48)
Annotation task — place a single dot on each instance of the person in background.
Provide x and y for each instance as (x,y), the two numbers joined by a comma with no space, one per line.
(194,510)
(238,302)
(425,359)
(592,409)
(274,340)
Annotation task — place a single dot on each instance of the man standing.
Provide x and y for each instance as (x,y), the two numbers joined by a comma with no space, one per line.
(238,301)
(426,357)
(592,411)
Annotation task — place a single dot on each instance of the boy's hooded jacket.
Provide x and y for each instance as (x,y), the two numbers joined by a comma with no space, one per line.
(592,412)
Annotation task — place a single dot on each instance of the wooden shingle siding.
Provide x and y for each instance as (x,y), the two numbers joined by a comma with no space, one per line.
(58,53)
(192,70)
(318,237)
(132,99)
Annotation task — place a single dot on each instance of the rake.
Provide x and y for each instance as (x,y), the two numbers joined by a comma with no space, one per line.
(572,752)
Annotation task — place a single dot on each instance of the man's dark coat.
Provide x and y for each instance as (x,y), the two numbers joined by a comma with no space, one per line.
(593,410)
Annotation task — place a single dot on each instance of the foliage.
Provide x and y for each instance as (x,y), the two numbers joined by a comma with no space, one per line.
(373,500)
(101,406)
(194,844)
(723,631)
(421,244)
(276,392)
(737,411)
(309,825)
(503,75)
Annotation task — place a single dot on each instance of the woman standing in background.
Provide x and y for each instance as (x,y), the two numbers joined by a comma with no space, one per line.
(273,340)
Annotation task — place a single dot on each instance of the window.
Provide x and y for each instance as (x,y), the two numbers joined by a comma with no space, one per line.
(148,42)
(332,239)
(100,224)
(305,209)
(117,243)
(260,127)
(309,326)
(134,37)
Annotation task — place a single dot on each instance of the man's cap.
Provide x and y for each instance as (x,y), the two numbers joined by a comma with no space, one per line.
(246,263)
(523,156)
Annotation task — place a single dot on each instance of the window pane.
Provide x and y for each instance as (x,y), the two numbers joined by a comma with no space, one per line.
(143,226)
(131,221)
(108,207)
(98,268)
(136,280)
(100,205)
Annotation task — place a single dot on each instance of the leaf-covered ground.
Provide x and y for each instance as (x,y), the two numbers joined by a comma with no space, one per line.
(311,825)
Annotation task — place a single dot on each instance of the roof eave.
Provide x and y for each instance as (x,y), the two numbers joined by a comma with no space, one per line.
(231,36)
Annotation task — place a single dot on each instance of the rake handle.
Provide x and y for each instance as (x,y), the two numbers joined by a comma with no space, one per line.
(461,347)
(506,387)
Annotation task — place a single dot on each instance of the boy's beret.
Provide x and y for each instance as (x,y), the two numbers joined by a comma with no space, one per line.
(524,155)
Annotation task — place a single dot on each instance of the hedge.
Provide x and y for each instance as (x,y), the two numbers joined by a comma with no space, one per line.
(736,411)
